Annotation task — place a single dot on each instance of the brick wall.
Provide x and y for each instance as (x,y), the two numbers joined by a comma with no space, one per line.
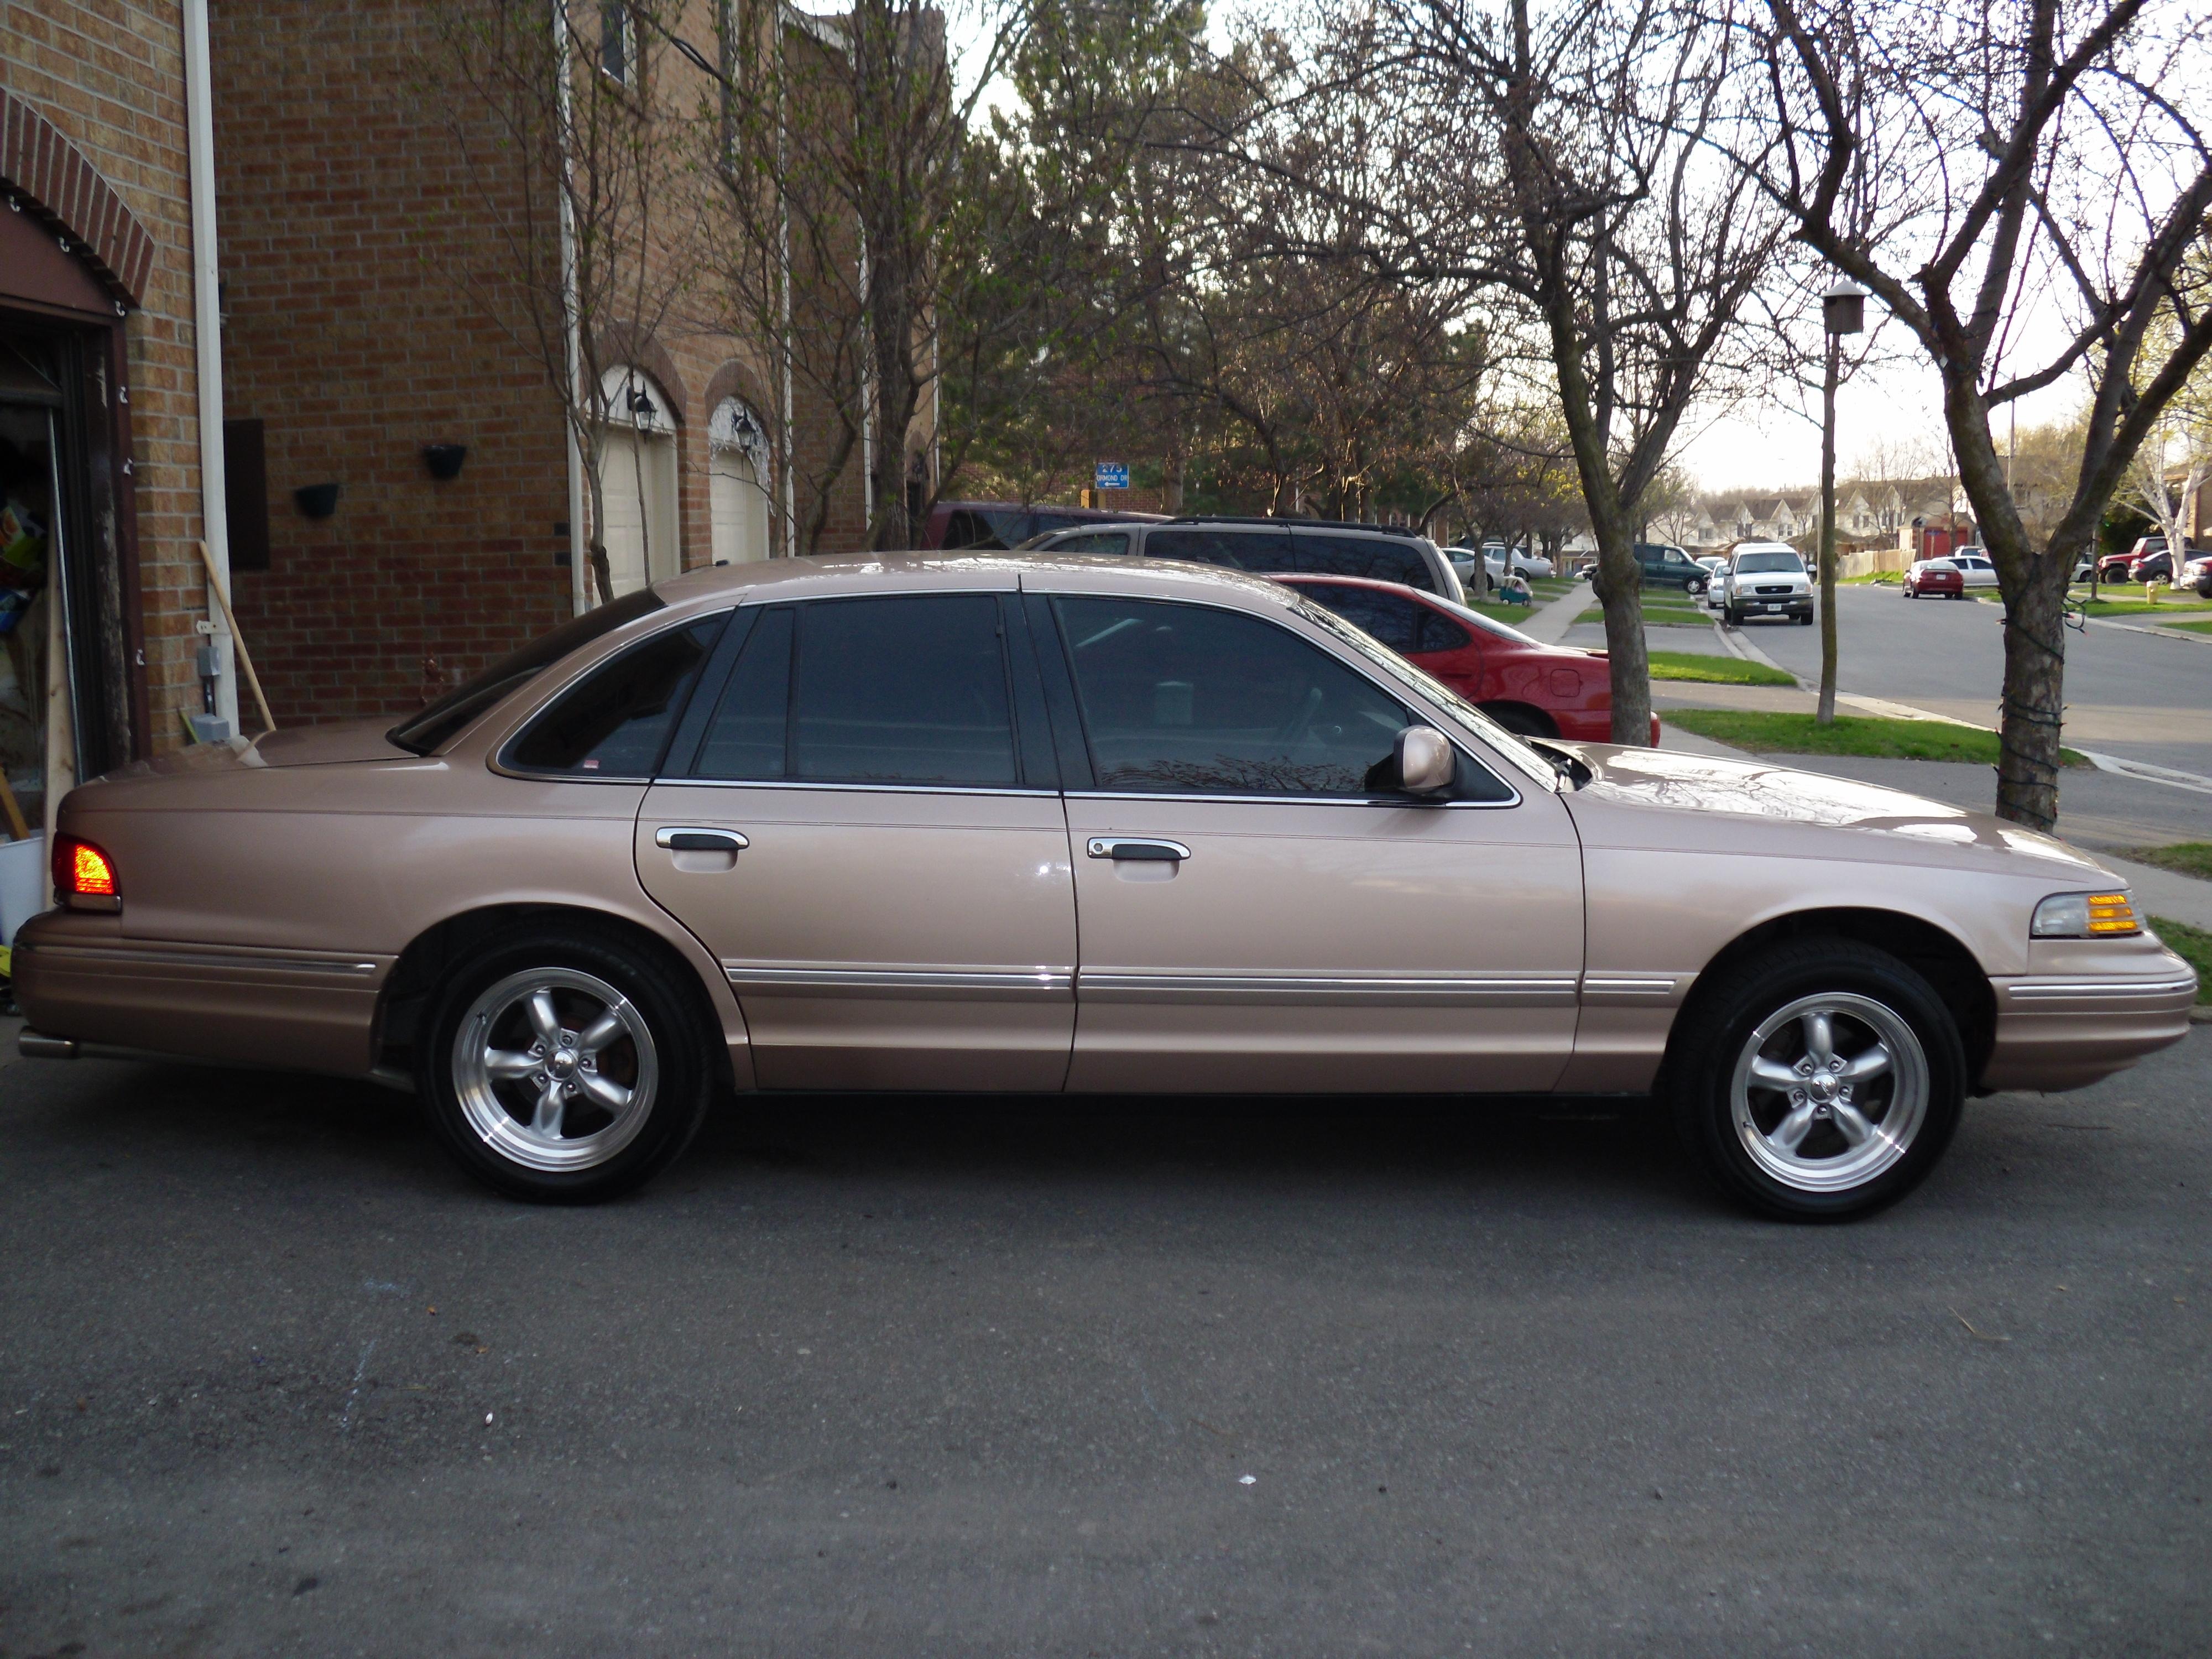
(363,265)
(346,228)
(110,76)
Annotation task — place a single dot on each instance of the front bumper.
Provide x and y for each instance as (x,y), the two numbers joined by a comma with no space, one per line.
(1793,604)
(2060,1029)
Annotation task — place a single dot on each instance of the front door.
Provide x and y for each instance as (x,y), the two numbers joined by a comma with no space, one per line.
(1254,915)
(868,836)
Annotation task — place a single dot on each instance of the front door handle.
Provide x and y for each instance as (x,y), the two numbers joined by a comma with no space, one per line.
(1122,846)
(676,839)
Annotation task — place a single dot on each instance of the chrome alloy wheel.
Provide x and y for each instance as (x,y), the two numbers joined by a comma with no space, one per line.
(1829,1091)
(555,1069)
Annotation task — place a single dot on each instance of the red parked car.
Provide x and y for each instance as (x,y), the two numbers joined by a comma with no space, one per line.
(1934,578)
(1538,690)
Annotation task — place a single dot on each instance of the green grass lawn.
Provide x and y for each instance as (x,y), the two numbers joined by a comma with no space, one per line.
(1708,669)
(2193,945)
(1670,611)
(1512,615)
(2191,858)
(2137,608)
(2190,627)
(1849,734)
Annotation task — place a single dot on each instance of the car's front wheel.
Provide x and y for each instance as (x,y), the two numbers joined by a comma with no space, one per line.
(567,1070)
(1818,1081)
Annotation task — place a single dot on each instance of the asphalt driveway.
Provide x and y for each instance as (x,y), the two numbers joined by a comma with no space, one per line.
(942,1376)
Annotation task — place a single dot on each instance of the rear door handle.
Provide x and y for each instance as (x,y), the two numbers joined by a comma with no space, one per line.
(676,839)
(1119,847)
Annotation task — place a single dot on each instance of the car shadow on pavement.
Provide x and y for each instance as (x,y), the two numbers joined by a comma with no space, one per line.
(194,1120)
(1606,1148)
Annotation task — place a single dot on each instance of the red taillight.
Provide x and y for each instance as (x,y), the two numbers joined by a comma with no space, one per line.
(84,876)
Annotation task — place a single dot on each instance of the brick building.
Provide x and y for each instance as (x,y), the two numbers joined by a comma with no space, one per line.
(357,330)
(98,427)
(366,257)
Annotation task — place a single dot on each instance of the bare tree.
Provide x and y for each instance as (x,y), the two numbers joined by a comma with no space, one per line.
(557,116)
(1561,158)
(2026,163)
(847,218)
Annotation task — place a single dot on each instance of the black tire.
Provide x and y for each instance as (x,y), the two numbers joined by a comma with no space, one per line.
(1805,621)
(1732,616)
(676,1066)
(1523,721)
(1716,1034)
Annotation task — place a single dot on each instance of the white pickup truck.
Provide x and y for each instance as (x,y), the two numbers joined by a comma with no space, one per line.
(1766,578)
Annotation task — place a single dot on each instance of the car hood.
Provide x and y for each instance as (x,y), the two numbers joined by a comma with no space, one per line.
(1666,797)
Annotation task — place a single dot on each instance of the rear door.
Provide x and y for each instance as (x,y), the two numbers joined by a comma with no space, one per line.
(865,829)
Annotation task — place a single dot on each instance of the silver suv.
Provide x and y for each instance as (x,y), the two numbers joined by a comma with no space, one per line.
(1766,578)
(1272,547)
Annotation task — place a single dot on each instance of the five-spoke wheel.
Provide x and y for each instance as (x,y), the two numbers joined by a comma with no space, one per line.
(569,1069)
(556,1068)
(1820,1079)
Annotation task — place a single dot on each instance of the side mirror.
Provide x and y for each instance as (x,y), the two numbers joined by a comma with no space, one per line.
(1422,762)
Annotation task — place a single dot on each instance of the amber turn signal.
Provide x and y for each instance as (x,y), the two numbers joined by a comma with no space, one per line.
(84,876)
(2112,913)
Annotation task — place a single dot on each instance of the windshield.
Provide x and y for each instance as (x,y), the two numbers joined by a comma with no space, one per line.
(1752,564)
(1509,747)
(435,725)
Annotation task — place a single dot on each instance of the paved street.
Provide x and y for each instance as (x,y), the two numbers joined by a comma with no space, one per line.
(2139,698)
(932,1375)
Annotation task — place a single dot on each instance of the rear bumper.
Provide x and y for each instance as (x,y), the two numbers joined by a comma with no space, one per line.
(76,977)
(2061,1031)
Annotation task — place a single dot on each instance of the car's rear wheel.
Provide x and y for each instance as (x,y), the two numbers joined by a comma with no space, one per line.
(1820,1081)
(567,1070)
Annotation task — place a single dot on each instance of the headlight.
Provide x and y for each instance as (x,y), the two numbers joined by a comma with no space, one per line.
(2085,915)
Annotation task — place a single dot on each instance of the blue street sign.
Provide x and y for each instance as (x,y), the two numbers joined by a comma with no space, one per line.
(1111,475)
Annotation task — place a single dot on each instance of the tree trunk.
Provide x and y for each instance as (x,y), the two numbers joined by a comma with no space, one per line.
(1620,590)
(2034,680)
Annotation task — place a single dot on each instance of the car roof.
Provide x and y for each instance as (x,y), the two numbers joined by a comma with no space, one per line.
(763,580)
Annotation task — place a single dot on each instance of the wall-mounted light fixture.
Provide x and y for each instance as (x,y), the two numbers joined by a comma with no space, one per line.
(316,501)
(444,460)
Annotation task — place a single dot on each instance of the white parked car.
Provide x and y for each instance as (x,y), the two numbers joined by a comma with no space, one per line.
(1976,568)
(1711,595)
(1532,565)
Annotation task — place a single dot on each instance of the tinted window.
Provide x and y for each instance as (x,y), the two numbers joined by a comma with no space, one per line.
(1407,626)
(444,720)
(1094,541)
(746,737)
(1237,550)
(614,722)
(968,528)
(1191,700)
(1372,557)
(901,691)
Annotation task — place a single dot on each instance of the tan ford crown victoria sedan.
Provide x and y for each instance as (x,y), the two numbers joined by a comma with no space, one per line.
(1065,824)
